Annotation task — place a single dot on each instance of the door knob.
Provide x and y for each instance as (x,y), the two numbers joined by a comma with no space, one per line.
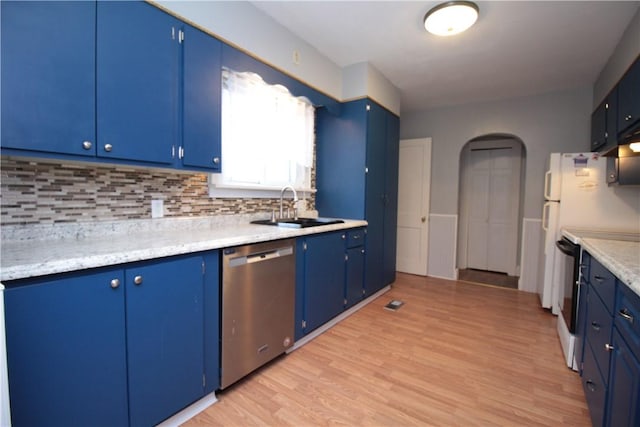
(423,219)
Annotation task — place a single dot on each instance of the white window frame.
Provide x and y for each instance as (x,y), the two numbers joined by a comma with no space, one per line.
(250,81)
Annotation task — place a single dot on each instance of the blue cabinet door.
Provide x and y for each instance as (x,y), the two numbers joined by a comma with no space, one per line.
(212,321)
(137,82)
(392,146)
(341,161)
(165,329)
(354,275)
(66,351)
(375,198)
(624,386)
(628,100)
(201,100)
(48,76)
(324,272)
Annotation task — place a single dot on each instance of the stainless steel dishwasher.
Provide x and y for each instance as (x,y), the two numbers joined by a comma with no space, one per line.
(258,298)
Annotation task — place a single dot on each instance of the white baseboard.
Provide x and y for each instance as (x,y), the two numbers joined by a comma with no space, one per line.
(190,411)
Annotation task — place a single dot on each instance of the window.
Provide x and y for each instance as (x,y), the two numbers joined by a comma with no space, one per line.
(267,137)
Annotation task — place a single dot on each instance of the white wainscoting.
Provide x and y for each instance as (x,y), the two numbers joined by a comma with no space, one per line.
(443,238)
(530,253)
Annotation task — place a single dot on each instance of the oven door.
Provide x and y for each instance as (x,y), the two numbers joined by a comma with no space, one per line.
(568,289)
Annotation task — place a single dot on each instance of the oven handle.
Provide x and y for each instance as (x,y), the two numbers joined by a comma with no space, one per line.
(567,247)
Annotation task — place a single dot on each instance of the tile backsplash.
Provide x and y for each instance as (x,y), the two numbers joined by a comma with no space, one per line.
(43,192)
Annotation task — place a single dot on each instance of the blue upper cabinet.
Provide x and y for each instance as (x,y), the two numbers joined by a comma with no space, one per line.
(201,100)
(48,77)
(629,101)
(113,82)
(137,82)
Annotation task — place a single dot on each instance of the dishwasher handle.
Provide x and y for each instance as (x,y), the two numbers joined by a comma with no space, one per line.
(261,256)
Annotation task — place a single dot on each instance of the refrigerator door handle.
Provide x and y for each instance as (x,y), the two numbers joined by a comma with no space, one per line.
(547,186)
(545,214)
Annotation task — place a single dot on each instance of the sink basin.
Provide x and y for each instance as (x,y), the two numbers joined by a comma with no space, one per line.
(299,223)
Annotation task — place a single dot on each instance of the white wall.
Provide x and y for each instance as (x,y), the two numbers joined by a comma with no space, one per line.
(622,57)
(241,24)
(545,123)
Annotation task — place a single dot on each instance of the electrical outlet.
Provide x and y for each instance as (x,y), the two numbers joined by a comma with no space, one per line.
(157,208)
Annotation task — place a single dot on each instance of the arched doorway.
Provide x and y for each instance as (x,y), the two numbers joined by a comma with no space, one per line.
(490,206)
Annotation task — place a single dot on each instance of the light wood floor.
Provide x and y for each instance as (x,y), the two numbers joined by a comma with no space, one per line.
(456,354)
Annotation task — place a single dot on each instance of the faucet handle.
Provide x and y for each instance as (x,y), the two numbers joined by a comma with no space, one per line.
(273,215)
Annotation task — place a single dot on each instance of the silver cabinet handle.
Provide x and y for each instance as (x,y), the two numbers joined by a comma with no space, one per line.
(609,347)
(115,283)
(627,118)
(87,145)
(108,147)
(591,385)
(599,278)
(216,160)
(344,236)
(595,325)
(137,280)
(624,313)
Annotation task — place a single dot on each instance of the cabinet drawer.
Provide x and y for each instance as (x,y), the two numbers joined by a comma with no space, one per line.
(603,282)
(355,237)
(599,325)
(594,388)
(627,316)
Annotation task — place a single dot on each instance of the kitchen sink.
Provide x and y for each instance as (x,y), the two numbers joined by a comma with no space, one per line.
(299,222)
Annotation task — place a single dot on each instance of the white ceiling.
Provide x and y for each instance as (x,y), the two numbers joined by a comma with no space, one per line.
(517,48)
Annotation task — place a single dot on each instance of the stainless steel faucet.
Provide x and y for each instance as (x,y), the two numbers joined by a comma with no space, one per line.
(295,197)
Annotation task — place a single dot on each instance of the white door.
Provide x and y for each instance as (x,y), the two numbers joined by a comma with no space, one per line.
(493,197)
(414,181)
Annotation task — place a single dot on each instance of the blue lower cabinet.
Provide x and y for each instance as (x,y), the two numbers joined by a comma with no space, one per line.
(66,351)
(116,346)
(595,388)
(164,338)
(320,275)
(624,388)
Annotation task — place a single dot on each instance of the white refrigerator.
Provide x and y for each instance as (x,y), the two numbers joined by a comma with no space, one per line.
(578,197)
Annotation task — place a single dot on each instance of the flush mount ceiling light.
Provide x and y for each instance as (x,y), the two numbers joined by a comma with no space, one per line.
(452,17)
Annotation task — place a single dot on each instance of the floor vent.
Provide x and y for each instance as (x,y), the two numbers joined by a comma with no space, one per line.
(393,305)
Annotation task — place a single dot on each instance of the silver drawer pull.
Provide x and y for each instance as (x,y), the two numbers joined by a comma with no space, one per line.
(591,385)
(609,347)
(595,325)
(599,278)
(624,313)
(115,283)
(137,280)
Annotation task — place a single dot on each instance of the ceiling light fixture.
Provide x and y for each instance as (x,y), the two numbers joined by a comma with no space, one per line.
(635,147)
(452,17)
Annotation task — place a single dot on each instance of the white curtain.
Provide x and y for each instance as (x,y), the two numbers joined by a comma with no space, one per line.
(267,133)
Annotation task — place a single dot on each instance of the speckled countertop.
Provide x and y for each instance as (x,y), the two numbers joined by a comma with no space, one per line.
(31,251)
(618,252)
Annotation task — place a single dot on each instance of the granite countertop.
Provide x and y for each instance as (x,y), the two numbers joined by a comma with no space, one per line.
(38,250)
(619,252)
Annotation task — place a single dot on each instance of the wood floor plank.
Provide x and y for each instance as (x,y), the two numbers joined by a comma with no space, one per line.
(456,354)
